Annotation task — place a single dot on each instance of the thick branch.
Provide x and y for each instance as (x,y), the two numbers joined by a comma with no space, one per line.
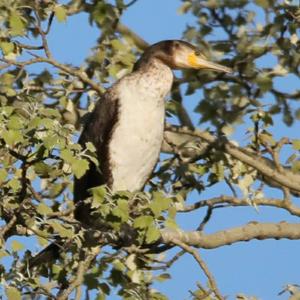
(139,42)
(260,231)
(233,201)
(265,166)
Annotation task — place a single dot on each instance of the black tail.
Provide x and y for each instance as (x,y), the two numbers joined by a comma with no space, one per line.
(47,255)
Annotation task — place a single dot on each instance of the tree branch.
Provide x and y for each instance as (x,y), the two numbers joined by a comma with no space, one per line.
(77,73)
(234,201)
(139,42)
(81,270)
(264,165)
(42,33)
(202,265)
(254,230)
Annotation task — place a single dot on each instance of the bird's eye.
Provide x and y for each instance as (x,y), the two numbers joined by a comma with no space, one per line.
(197,52)
(177,45)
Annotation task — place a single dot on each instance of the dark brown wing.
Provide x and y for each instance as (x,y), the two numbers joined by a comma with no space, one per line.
(98,130)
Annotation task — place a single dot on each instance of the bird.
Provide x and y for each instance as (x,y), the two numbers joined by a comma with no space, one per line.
(126,127)
(127,124)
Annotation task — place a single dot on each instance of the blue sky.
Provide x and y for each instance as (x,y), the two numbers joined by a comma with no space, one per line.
(257,268)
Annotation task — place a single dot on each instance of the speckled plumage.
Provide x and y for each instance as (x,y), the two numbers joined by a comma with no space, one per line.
(126,126)
(137,137)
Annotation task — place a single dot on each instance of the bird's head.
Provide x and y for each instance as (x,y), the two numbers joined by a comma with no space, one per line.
(181,55)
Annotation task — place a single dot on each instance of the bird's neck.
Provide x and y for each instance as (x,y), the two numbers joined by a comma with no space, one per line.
(149,62)
(155,77)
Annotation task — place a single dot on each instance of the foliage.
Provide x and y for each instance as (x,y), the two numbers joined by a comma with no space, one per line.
(42,101)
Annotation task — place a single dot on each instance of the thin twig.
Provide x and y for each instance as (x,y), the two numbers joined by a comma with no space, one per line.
(4,229)
(42,34)
(234,201)
(49,23)
(21,200)
(206,218)
(205,293)
(130,3)
(78,293)
(81,270)
(139,42)
(71,71)
(230,186)
(263,165)
(202,265)
(169,263)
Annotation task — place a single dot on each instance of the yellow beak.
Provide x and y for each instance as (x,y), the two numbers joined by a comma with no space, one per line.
(200,62)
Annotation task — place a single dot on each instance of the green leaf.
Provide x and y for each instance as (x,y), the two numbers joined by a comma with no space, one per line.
(60,13)
(3,253)
(14,184)
(296,166)
(118,265)
(67,156)
(218,170)
(43,209)
(163,277)
(100,296)
(291,158)
(121,210)
(16,24)
(43,170)
(7,47)
(266,138)
(135,276)
(7,79)
(16,246)
(42,241)
(3,175)
(117,45)
(159,203)
(12,137)
(172,212)
(170,223)
(12,293)
(263,3)
(98,193)
(245,182)
(15,122)
(90,146)
(152,234)
(296,144)
(184,8)
(79,167)
(61,230)
(123,206)
(131,262)
(199,169)
(264,82)
(143,222)
(50,112)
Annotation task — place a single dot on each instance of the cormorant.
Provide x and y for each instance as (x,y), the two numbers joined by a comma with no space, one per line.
(127,124)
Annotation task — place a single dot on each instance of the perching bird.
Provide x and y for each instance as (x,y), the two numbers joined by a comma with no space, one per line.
(127,124)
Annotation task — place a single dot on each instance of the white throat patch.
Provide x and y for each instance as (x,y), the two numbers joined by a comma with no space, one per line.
(136,140)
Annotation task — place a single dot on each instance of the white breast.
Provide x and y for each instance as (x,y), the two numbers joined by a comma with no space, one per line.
(137,138)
